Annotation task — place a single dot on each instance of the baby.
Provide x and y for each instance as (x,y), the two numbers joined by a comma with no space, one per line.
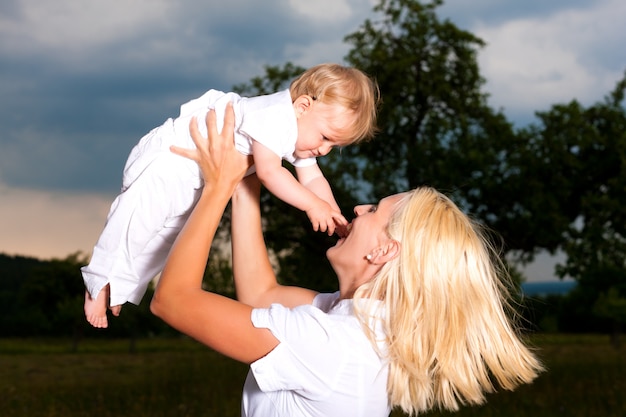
(327,106)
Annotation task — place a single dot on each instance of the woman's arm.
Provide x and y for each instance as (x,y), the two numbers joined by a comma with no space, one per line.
(218,322)
(255,280)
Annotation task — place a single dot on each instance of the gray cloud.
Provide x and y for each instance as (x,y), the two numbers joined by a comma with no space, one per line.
(80,86)
(494,12)
(81,81)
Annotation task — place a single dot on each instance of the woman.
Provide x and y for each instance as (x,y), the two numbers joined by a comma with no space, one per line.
(419,321)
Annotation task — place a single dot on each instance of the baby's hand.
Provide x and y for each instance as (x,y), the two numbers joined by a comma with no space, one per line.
(341,226)
(325,219)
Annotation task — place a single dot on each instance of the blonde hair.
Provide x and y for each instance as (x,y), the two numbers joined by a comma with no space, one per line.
(447,318)
(346,87)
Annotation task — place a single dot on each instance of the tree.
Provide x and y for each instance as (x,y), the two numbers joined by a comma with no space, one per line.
(44,289)
(14,271)
(430,84)
(581,158)
(556,184)
(436,128)
(598,236)
(612,305)
(275,79)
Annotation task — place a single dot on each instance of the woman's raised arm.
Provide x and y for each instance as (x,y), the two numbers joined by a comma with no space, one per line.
(219,322)
(255,280)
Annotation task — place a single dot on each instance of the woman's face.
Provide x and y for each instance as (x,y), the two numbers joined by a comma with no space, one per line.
(366,232)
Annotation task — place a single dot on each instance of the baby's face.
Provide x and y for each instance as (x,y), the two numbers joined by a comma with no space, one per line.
(321,128)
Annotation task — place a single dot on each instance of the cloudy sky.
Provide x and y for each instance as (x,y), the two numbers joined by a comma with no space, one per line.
(82,80)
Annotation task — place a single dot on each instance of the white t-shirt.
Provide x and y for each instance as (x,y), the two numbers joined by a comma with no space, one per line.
(323,366)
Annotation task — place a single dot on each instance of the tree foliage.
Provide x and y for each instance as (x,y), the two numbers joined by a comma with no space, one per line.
(556,184)
(553,185)
(582,159)
(430,84)
(435,125)
(45,298)
(596,240)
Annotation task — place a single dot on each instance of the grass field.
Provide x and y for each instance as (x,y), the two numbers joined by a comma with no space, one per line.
(178,377)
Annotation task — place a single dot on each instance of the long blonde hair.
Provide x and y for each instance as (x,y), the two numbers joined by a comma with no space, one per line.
(347,87)
(448,319)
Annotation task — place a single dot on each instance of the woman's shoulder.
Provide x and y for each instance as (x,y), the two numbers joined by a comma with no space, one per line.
(326,317)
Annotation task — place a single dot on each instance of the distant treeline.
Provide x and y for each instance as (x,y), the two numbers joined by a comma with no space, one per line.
(45,298)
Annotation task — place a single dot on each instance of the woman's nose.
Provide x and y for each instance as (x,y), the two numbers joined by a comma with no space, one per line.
(358,210)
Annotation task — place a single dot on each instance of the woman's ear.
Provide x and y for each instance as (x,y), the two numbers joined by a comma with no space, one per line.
(302,104)
(384,253)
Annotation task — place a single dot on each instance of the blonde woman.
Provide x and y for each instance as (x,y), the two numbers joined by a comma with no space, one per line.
(420,319)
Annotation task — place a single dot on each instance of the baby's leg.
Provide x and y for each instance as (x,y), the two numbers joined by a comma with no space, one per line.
(170,201)
(134,244)
(152,259)
(135,218)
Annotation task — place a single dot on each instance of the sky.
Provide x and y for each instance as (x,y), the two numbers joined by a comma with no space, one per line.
(81,81)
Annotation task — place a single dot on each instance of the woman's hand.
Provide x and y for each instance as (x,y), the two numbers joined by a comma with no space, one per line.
(221,164)
(179,299)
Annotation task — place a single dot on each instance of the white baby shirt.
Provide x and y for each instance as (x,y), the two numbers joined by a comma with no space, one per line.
(268,119)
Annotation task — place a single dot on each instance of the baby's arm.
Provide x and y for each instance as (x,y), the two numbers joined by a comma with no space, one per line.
(312,178)
(285,186)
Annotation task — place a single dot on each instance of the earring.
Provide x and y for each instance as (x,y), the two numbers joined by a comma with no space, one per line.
(369,257)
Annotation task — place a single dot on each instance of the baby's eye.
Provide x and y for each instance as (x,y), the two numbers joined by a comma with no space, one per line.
(324,138)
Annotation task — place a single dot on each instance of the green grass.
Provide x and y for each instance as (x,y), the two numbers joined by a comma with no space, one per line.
(178,377)
(163,378)
(585,377)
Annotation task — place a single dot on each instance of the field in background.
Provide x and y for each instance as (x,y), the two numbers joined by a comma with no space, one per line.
(178,377)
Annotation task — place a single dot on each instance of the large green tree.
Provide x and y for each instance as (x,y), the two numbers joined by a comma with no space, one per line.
(435,126)
(589,179)
(438,129)
(532,185)
(432,100)
(596,238)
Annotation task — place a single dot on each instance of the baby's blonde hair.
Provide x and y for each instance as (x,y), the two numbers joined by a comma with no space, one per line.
(347,87)
(448,322)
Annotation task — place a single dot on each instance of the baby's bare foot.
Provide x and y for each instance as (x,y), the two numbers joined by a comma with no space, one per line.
(96,308)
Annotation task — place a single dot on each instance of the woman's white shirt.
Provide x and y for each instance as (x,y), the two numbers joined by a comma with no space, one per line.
(324,365)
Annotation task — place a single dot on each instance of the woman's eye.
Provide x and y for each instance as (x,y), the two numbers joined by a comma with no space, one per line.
(372,209)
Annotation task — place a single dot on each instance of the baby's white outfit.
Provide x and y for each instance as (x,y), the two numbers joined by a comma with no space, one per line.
(324,365)
(160,189)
